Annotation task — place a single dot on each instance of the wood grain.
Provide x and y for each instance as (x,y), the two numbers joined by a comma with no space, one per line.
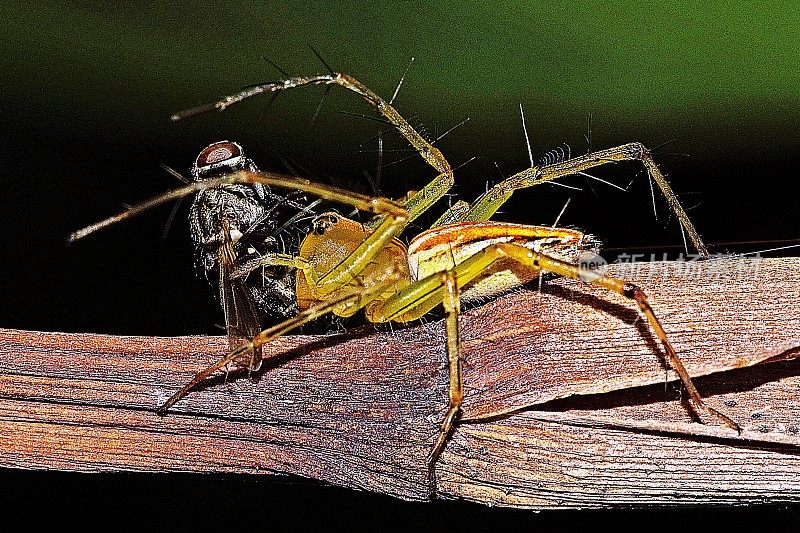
(588,422)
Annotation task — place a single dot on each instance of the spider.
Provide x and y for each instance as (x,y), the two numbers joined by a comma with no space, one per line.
(344,266)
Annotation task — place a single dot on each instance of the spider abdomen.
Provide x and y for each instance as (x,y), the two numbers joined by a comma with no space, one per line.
(444,247)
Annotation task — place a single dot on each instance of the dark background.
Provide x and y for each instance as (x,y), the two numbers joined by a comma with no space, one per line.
(88,88)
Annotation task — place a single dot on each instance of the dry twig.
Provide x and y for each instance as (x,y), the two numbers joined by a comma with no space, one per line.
(360,410)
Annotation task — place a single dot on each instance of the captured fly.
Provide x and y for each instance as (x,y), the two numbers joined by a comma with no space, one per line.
(232,227)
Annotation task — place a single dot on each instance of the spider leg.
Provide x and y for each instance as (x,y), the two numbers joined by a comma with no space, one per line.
(377,205)
(356,297)
(267,260)
(488,203)
(629,290)
(446,287)
(419,202)
(417,299)
(451,301)
(455,213)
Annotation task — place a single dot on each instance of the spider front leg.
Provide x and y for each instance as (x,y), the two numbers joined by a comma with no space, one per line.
(487,204)
(420,201)
(372,204)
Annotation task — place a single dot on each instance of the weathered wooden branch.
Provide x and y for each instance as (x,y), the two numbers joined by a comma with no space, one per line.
(361,410)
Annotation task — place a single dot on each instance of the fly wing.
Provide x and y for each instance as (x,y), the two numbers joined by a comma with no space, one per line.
(241,314)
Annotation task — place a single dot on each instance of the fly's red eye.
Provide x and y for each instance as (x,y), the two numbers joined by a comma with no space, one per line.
(220,157)
(218,152)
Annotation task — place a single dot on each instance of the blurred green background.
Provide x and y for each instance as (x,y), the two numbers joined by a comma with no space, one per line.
(87,89)
(691,69)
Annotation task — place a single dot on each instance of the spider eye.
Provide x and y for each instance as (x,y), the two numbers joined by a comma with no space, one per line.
(220,157)
(323,223)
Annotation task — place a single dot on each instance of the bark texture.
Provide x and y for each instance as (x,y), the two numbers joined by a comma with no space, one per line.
(565,406)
